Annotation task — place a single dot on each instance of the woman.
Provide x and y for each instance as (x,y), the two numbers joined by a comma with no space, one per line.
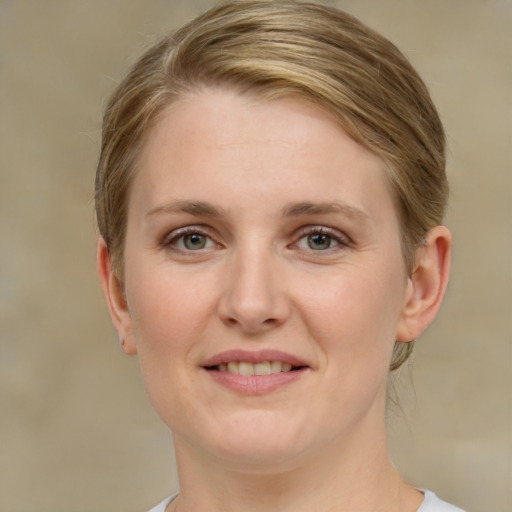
(269,196)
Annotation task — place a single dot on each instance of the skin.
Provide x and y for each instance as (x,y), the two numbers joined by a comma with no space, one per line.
(255,225)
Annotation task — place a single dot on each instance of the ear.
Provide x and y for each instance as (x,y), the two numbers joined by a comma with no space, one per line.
(116,300)
(426,285)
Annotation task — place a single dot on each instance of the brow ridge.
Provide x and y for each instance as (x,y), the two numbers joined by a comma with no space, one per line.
(310,208)
(197,208)
(205,209)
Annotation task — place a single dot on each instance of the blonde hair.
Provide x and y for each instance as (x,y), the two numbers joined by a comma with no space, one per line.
(276,48)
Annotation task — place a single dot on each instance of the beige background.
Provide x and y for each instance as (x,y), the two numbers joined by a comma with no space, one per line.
(76,432)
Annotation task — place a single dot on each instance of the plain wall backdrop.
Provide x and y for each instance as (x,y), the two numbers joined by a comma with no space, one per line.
(76,431)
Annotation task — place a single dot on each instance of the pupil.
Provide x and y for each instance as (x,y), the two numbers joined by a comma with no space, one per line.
(319,241)
(195,241)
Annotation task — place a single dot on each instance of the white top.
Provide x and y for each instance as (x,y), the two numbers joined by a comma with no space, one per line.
(431,503)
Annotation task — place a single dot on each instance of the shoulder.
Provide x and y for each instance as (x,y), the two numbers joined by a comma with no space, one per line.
(163,504)
(432,503)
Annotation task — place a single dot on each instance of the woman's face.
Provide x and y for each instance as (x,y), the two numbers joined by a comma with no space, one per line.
(261,239)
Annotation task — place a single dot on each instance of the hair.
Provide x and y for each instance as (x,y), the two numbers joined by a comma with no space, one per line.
(274,48)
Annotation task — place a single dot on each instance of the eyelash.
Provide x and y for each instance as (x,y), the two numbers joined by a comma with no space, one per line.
(171,240)
(341,239)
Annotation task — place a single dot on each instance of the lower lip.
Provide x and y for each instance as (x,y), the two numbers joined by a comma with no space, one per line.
(256,384)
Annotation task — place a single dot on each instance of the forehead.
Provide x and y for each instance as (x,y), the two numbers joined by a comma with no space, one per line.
(223,143)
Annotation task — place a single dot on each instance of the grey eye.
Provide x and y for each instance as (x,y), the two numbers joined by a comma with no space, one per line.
(194,241)
(320,241)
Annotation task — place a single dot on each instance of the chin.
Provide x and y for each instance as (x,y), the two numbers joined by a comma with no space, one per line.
(259,442)
(261,458)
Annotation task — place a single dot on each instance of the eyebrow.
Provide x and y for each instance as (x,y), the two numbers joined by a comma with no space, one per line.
(197,208)
(308,208)
(204,209)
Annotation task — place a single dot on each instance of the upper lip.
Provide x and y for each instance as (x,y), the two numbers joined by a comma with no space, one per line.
(253,357)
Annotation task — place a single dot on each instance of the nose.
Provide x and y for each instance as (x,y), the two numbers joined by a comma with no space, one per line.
(254,297)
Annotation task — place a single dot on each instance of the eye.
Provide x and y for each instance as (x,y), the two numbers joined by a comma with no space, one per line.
(188,240)
(193,241)
(321,239)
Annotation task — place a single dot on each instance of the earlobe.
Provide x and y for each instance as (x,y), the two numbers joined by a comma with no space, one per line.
(116,300)
(427,284)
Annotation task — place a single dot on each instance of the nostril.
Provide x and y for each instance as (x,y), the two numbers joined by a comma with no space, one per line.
(251,325)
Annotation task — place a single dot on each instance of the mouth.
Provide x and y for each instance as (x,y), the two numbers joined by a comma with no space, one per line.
(255,373)
(261,368)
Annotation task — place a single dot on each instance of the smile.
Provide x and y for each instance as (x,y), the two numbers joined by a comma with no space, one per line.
(247,368)
(255,373)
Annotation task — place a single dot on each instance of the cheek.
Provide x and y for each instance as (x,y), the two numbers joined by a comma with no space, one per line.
(354,314)
(168,309)
(169,312)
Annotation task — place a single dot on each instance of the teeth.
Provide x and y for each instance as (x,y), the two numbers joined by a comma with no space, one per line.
(276,367)
(262,369)
(245,368)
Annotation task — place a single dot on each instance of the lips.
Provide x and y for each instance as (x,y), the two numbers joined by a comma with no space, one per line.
(255,373)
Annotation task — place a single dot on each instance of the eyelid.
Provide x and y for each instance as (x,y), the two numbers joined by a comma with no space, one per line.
(340,237)
(169,239)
